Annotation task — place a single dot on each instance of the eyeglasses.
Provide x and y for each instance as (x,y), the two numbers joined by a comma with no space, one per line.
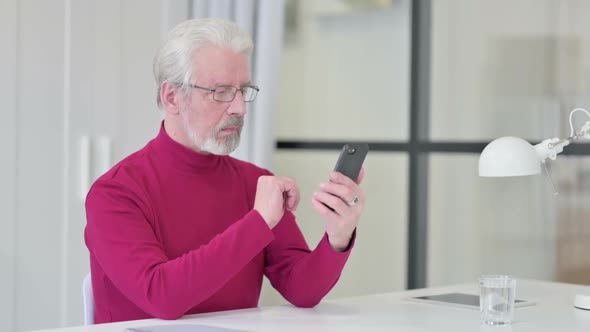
(227,93)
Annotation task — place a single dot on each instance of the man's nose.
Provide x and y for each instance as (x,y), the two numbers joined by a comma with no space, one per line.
(238,105)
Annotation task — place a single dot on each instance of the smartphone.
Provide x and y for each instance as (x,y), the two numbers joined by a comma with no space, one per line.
(351,159)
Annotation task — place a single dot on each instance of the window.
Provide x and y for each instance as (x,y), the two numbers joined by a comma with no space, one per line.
(428,84)
(345,77)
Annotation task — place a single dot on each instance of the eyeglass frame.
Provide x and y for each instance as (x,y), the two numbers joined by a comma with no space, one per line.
(241,89)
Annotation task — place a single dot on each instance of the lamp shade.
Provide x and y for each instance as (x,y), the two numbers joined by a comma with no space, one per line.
(509,156)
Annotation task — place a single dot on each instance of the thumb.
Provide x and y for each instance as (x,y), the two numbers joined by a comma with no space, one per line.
(290,194)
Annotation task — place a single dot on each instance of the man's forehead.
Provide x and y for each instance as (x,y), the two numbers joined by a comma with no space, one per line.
(222,75)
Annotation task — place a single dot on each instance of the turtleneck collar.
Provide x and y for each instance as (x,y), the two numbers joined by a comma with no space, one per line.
(181,157)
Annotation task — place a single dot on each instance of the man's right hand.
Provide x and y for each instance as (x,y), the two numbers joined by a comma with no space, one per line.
(274,194)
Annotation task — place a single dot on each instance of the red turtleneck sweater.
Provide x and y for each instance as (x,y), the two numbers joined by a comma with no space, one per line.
(173,232)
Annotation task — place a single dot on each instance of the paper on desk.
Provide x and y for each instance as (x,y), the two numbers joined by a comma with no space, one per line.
(181,328)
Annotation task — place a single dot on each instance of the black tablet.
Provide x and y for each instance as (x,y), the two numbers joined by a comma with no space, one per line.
(461,300)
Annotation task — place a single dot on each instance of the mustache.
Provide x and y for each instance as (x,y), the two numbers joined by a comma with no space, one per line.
(232,122)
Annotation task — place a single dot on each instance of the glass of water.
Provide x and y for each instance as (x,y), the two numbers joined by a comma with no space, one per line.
(496,299)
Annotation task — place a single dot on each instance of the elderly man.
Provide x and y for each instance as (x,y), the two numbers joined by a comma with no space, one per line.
(179,227)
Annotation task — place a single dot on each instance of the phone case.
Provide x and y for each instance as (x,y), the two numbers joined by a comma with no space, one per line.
(351,159)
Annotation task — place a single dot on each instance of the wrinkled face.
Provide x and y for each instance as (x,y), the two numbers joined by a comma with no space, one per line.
(213,126)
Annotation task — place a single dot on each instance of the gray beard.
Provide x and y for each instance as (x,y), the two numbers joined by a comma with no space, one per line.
(211,145)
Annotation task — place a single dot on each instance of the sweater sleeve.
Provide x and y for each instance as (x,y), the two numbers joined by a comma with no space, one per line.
(121,238)
(303,277)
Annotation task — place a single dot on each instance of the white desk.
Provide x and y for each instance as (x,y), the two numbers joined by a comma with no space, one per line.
(553,311)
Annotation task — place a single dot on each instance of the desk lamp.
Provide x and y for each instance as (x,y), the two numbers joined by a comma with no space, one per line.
(513,156)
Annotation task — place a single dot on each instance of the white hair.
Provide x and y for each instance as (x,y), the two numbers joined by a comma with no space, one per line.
(173,63)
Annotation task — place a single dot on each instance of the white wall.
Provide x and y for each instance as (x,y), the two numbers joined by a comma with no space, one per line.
(39,162)
(8,35)
(72,69)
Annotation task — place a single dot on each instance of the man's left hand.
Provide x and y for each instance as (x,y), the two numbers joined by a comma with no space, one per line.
(348,200)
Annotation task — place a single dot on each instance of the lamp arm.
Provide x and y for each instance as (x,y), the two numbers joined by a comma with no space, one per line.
(572,134)
(550,148)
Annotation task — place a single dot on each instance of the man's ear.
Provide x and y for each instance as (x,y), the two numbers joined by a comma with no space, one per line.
(170,97)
